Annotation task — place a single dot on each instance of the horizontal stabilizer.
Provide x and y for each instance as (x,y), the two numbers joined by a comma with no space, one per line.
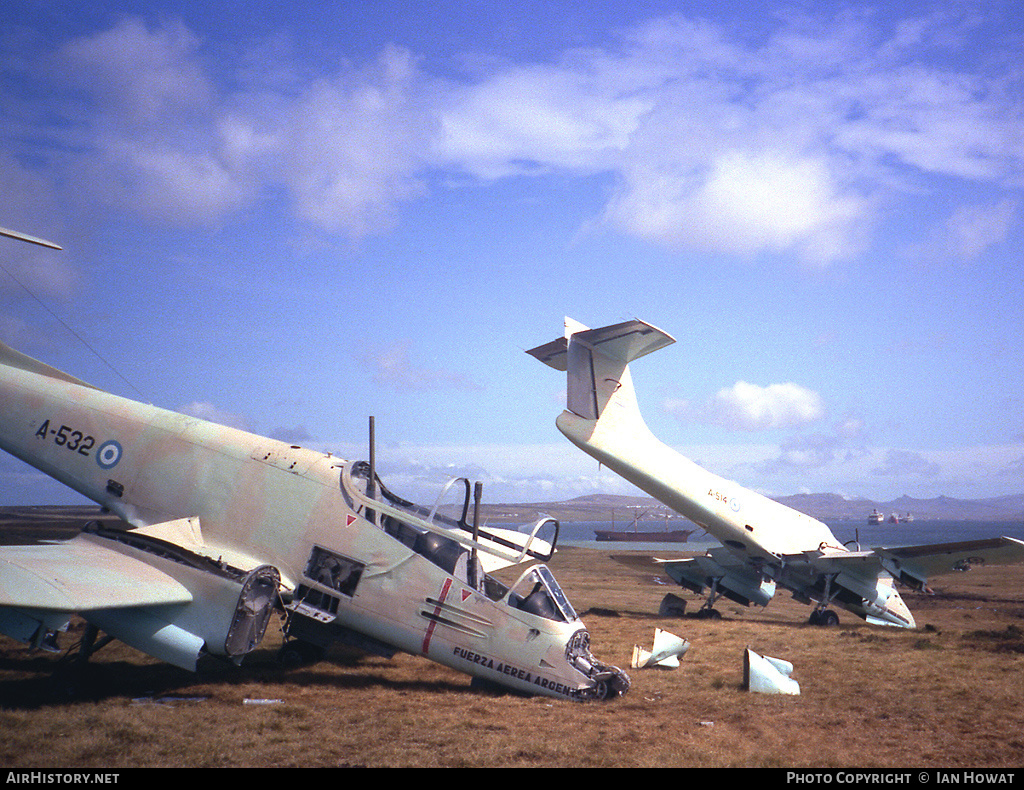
(622,342)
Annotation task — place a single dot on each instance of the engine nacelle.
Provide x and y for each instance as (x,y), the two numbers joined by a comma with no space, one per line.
(227,617)
(744,586)
(228,614)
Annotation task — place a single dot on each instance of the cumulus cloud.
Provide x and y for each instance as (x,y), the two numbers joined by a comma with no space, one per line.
(355,146)
(746,202)
(751,407)
(140,75)
(907,463)
(787,140)
(509,472)
(393,367)
(976,228)
(208,411)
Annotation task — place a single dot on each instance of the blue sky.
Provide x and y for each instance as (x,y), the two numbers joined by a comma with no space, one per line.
(290,217)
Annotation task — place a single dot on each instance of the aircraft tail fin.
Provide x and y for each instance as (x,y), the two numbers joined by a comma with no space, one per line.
(15,359)
(596,362)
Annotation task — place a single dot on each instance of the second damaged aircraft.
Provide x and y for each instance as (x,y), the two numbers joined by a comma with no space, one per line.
(764,544)
(228,527)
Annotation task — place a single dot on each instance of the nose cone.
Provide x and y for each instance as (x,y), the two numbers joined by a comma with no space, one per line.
(898,611)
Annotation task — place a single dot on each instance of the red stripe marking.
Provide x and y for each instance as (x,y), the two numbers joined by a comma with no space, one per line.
(437,610)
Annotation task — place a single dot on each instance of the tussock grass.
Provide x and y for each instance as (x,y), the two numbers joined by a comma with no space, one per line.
(945,695)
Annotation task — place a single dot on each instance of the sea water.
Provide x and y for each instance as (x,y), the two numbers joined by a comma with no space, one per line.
(910,533)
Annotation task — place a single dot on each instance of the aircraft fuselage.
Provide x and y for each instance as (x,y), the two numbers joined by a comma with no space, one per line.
(351,566)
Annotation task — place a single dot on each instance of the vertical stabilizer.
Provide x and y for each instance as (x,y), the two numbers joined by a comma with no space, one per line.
(596,363)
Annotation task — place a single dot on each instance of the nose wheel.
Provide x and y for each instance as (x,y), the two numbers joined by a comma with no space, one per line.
(824,617)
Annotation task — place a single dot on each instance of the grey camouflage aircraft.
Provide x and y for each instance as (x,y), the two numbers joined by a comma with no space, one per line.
(228,528)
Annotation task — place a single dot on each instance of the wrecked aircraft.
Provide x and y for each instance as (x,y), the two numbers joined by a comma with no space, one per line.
(764,544)
(229,528)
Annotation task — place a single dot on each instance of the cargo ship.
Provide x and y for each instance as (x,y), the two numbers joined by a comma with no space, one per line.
(651,536)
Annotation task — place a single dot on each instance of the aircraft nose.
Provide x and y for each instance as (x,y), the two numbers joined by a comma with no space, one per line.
(899,609)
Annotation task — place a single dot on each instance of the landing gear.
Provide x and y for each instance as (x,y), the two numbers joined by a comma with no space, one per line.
(297,653)
(707,611)
(68,680)
(821,615)
(824,617)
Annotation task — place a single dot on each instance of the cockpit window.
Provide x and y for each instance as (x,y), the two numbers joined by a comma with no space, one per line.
(419,529)
(538,593)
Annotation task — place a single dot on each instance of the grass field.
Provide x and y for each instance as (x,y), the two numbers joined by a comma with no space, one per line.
(948,694)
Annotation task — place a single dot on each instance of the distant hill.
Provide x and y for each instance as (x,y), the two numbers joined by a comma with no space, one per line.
(827,507)
(833,506)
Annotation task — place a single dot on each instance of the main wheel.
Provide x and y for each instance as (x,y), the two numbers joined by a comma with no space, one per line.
(299,654)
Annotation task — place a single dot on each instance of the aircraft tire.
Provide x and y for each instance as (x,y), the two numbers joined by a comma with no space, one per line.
(72,681)
(299,654)
(829,618)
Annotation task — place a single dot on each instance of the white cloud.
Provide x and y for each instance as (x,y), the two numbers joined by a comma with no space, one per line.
(906,463)
(747,202)
(720,141)
(354,147)
(556,471)
(751,407)
(207,411)
(393,367)
(527,119)
(976,228)
(139,74)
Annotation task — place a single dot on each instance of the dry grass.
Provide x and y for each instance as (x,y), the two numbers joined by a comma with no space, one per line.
(946,695)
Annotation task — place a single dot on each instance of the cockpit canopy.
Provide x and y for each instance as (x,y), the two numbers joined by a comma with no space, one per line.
(460,548)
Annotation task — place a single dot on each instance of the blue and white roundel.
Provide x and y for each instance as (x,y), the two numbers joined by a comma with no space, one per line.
(108,455)
(734,503)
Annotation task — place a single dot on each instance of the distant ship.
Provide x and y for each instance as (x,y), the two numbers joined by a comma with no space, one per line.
(875,517)
(644,536)
(650,536)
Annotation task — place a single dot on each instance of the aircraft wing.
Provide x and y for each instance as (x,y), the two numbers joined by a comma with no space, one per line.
(921,562)
(81,575)
(731,575)
(915,564)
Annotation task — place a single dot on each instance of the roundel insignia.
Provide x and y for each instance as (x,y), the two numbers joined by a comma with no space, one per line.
(734,503)
(109,454)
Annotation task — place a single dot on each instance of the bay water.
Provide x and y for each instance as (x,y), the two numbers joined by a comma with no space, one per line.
(911,533)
